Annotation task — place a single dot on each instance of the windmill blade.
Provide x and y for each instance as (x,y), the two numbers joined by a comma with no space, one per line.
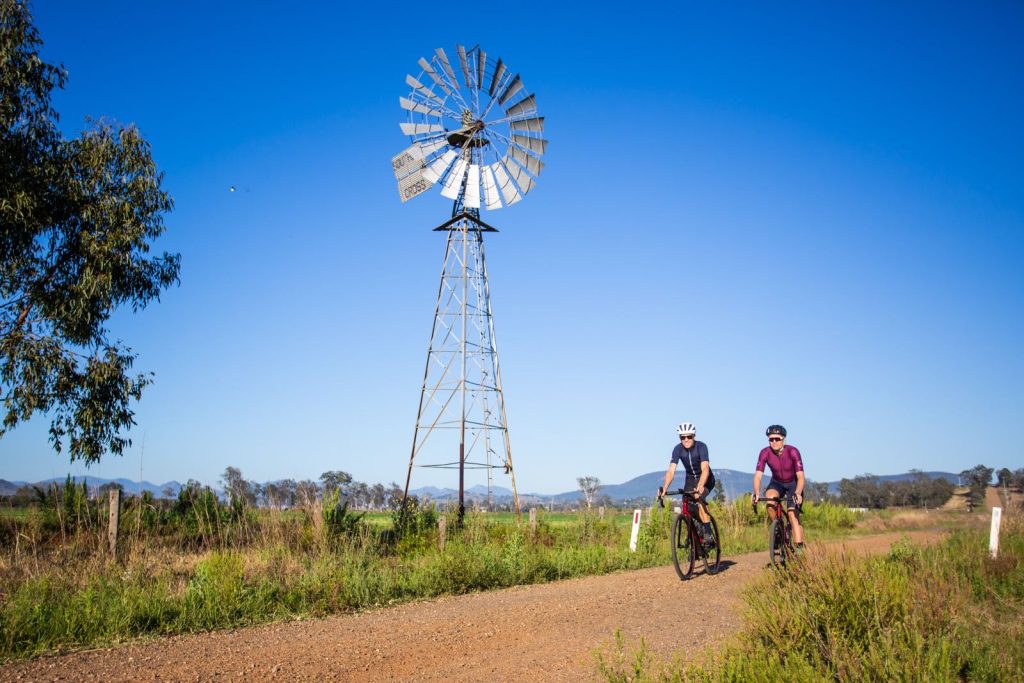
(407,161)
(505,184)
(527,105)
(422,90)
(437,169)
(499,71)
(514,86)
(429,70)
(414,157)
(409,105)
(445,64)
(428,148)
(413,184)
(465,67)
(534,125)
(491,200)
(454,182)
(472,198)
(528,161)
(519,174)
(420,128)
(535,145)
(481,68)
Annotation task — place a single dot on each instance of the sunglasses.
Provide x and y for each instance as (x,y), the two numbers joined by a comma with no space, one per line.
(773,439)
(688,437)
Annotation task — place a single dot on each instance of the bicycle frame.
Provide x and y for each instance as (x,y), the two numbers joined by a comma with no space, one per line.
(693,544)
(780,535)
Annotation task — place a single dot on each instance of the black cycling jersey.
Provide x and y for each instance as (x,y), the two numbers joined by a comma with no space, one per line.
(691,459)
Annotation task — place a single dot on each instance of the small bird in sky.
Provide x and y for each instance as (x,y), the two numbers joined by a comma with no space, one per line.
(231,189)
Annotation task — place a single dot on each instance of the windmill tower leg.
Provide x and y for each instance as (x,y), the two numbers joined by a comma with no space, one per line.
(486,296)
(461,382)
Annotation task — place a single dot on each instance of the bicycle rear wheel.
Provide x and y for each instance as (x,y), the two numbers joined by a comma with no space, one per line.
(714,555)
(778,548)
(682,548)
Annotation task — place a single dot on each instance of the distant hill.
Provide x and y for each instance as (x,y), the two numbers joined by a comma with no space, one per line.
(473,493)
(953,479)
(8,488)
(130,487)
(734,483)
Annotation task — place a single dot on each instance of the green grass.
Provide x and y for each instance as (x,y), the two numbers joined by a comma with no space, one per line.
(58,590)
(75,598)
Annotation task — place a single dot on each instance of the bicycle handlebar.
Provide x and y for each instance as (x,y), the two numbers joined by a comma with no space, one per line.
(790,500)
(678,492)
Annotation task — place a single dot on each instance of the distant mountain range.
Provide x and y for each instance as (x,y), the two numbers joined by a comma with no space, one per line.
(733,482)
(130,487)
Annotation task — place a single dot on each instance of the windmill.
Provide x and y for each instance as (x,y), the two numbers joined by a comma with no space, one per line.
(475,131)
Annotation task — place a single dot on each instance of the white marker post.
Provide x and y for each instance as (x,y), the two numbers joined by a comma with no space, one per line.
(993,537)
(636,530)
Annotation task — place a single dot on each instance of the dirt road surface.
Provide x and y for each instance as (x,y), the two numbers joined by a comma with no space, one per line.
(547,632)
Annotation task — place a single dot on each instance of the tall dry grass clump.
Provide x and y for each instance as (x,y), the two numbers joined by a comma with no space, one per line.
(945,612)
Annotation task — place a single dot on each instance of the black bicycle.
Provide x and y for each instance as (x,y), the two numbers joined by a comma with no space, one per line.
(780,535)
(687,544)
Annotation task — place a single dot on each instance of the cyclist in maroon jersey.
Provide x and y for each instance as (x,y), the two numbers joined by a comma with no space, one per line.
(787,476)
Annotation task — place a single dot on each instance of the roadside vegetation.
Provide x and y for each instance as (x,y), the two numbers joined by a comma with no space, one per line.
(945,612)
(201,562)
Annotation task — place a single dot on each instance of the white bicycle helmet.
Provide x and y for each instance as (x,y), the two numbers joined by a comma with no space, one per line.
(686,429)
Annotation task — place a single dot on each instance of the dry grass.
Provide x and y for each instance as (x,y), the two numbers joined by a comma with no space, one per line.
(944,612)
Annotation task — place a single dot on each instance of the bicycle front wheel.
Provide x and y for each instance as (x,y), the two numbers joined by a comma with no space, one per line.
(682,548)
(777,546)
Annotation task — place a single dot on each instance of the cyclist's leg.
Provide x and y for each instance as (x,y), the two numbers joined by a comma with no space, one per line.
(798,529)
(702,509)
(705,522)
(773,491)
(702,521)
(702,515)
(705,516)
(789,489)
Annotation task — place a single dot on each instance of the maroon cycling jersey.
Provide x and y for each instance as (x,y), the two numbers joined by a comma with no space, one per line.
(784,466)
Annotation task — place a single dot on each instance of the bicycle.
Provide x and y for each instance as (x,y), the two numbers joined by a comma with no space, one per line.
(780,535)
(686,537)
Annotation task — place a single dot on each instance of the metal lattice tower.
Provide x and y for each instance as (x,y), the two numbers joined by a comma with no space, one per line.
(479,136)
(462,407)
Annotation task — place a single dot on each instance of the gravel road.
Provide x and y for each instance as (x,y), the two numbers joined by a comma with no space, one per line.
(547,632)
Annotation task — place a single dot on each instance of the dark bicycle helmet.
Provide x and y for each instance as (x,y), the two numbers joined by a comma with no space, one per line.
(776,429)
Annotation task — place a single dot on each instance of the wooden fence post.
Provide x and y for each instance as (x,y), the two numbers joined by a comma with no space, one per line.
(115,518)
(533,520)
(442,531)
(600,513)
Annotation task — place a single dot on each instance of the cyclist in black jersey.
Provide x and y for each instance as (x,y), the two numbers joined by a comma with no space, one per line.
(699,477)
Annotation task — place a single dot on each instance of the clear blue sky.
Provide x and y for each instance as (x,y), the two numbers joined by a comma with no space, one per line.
(750,214)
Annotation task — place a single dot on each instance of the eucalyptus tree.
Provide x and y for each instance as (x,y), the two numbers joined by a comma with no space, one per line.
(78,218)
(589,486)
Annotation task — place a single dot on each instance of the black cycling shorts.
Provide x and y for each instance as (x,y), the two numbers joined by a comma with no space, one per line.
(691,483)
(786,490)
